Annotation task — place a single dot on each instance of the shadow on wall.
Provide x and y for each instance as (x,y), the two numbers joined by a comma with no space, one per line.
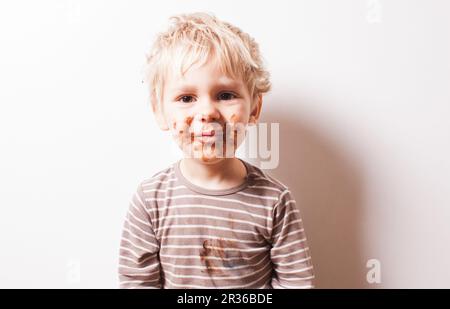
(329,192)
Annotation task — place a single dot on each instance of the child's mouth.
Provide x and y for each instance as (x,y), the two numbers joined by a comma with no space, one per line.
(207,136)
(208,133)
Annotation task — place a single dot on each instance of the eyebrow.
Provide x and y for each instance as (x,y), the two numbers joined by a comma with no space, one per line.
(187,87)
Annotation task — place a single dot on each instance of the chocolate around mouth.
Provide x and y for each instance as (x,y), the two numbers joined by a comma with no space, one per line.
(210,133)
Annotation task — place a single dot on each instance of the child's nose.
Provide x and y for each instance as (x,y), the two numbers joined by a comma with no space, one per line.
(207,112)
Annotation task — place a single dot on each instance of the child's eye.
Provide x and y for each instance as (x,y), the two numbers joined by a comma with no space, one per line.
(186,99)
(227,96)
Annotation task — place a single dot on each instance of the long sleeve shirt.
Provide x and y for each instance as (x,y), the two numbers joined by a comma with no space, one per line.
(179,235)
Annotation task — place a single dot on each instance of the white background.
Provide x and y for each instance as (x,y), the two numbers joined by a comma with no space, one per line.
(360,89)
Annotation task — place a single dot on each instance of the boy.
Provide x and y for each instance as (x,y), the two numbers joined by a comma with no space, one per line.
(211,220)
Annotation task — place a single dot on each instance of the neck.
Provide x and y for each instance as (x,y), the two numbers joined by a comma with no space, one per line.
(226,172)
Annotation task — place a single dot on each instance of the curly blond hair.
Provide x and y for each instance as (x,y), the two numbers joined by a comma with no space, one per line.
(192,39)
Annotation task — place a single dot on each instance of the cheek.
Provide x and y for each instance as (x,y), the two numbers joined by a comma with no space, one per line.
(237,123)
(237,132)
(234,118)
(238,115)
(180,128)
(180,125)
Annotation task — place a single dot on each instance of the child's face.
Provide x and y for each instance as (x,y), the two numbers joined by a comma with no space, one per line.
(202,101)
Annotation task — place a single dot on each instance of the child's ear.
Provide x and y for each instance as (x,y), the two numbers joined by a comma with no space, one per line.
(254,115)
(159,116)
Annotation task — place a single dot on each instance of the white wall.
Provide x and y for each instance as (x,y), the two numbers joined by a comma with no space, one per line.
(360,89)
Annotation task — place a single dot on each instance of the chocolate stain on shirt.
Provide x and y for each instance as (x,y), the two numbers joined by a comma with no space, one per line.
(215,248)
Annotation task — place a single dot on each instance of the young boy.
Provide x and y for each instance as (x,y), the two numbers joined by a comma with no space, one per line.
(211,220)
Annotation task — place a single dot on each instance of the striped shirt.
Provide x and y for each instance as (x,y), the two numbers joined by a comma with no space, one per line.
(179,235)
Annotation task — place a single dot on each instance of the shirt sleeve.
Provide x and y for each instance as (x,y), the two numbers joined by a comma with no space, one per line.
(139,265)
(293,268)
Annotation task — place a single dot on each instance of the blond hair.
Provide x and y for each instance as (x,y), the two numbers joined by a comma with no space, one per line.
(194,38)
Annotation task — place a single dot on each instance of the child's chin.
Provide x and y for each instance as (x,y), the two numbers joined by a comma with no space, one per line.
(206,153)
(207,157)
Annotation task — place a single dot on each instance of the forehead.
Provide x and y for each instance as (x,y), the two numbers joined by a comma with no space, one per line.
(207,75)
